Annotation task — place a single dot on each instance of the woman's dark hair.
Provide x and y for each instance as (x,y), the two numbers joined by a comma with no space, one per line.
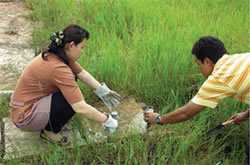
(59,39)
(209,47)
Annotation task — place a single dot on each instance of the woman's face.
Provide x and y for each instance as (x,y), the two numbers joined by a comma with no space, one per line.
(73,51)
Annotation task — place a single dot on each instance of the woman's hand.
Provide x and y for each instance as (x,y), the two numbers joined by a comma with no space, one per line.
(110,98)
(239,117)
(110,123)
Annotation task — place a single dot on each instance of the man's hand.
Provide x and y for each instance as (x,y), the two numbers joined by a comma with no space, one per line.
(239,117)
(110,98)
(150,117)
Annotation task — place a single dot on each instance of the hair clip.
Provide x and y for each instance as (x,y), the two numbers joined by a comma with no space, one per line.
(60,34)
(57,37)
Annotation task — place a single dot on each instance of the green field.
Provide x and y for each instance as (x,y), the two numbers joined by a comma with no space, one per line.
(143,48)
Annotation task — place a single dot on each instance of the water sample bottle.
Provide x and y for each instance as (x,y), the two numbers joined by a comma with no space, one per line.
(114,114)
(148,109)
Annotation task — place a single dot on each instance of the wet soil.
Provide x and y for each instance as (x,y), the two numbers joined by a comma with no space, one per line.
(15,38)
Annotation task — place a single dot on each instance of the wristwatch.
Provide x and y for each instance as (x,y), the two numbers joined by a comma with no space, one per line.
(158,120)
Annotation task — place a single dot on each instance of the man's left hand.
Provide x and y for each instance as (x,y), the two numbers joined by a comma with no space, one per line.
(239,117)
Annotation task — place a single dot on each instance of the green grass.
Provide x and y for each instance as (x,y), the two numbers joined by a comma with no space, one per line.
(143,48)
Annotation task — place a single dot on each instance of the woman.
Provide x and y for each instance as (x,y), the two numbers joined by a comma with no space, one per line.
(47,96)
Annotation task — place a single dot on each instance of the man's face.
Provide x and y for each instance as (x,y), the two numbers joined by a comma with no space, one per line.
(206,67)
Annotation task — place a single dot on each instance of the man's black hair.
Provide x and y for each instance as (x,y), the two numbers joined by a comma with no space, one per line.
(209,47)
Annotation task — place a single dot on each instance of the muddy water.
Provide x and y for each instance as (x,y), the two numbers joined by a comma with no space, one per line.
(15,38)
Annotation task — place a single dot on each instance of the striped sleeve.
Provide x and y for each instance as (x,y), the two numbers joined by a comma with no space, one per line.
(234,71)
(211,92)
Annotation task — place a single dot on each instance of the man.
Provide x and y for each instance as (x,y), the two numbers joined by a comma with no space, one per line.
(227,76)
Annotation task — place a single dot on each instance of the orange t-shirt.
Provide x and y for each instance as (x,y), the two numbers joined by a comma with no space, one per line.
(42,78)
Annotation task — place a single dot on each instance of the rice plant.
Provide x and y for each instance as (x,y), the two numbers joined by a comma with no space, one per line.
(143,48)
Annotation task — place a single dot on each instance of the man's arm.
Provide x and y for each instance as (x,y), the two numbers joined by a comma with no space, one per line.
(240,117)
(182,114)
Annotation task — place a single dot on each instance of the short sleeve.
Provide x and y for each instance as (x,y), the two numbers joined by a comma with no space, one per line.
(211,92)
(75,67)
(64,80)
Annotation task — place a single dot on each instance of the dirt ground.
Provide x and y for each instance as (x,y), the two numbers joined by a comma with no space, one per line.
(15,38)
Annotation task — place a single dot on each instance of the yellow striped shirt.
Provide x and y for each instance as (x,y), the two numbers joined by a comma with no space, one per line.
(230,78)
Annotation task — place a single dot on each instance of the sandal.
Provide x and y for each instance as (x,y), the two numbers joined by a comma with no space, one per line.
(55,138)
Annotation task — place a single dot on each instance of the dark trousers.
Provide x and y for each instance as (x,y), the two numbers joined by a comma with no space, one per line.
(60,113)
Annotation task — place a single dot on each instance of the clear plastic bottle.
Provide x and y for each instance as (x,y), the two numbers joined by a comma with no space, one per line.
(114,114)
(149,109)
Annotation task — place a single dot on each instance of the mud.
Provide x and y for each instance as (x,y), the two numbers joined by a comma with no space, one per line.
(15,39)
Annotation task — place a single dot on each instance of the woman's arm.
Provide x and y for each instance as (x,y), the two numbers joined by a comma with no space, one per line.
(110,98)
(88,79)
(83,75)
(90,112)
